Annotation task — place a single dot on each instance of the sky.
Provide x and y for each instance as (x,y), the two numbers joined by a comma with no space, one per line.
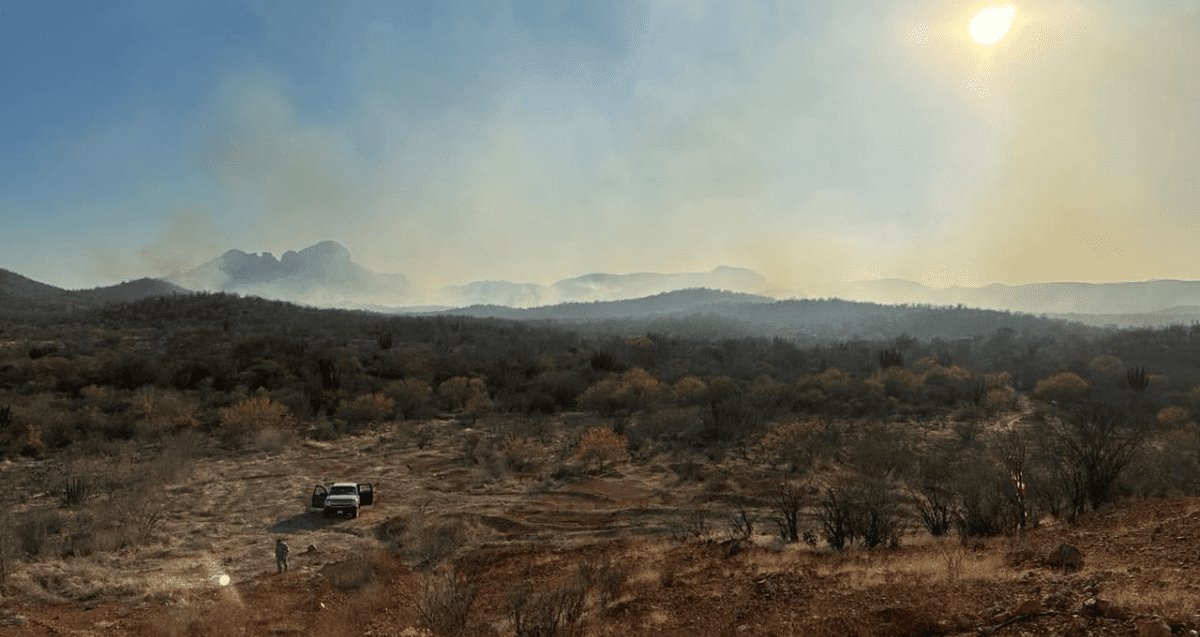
(815,142)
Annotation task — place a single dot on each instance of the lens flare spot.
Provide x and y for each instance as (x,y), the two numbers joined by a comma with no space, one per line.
(991,24)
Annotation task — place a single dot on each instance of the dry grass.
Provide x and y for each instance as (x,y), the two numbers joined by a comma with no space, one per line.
(203,620)
(58,581)
(942,562)
(1169,594)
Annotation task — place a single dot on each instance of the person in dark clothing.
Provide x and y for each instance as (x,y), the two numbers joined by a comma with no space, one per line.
(281,553)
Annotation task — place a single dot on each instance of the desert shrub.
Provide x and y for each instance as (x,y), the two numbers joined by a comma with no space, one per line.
(669,422)
(861,508)
(824,392)
(689,391)
(741,525)
(635,390)
(1063,387)
(243,420)
(898,383)
(935,508)
(1168,465)
(322,429)
(1173,417)
(879,519)
(144,512)
(351,574)
(445,605)
(411,395)
(45,422)
(456,391)
(601,446)
(787,503)
(931,486)
(555,612)
(481,452)
(730,414)
(524,454)
(103,398)
(790,444)
(160,411)
(427,544)
(835,513)
(1087,449)
(998,399)
(367,408)
(563,387)
(38,533)
(982,509)
(692,524)
(9,549)
(130,370)
(604,577)
(948,385)
(196,620)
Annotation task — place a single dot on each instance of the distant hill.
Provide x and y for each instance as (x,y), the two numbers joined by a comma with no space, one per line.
(680,302)
(15,286)
(324,275)
(1182,315)
(598,287)
(22,295)
(1066,298)
(129,291)
(711,313)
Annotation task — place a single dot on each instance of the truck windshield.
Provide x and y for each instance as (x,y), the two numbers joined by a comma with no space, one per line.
(343,491)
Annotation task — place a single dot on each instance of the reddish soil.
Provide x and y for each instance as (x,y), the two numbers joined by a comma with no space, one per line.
(1141,569)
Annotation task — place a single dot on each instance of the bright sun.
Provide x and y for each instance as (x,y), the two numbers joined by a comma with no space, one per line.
(991,24)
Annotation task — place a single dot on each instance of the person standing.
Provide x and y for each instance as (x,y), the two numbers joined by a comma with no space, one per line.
(281,553)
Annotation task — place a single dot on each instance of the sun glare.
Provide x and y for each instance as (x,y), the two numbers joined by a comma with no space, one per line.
(991,24)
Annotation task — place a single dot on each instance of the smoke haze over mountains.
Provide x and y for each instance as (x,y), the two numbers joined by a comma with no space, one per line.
(815,143)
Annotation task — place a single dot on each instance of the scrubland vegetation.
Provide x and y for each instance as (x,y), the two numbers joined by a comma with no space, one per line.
(834,456)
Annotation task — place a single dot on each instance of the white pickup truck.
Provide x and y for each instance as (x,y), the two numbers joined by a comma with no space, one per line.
(342,498)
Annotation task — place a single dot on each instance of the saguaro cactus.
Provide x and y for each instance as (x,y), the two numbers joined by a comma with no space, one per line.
(890,357)
(1137,378)
(331,377)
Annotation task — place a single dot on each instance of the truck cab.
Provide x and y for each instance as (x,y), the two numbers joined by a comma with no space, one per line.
(342,498)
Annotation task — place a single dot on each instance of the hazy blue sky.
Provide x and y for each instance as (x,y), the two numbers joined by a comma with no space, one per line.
(452,141)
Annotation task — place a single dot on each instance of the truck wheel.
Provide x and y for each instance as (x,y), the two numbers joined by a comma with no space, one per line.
(325,514)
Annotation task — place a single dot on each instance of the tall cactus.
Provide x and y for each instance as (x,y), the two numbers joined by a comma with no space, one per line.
(75,491)
(1137,378)
(331,377)
(890,357)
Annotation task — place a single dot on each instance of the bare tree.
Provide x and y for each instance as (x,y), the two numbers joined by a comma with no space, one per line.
(786,506)
(1088,448)
(1011,449)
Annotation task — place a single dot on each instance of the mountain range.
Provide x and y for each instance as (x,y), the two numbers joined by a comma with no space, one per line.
(326,275)
(323,275)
